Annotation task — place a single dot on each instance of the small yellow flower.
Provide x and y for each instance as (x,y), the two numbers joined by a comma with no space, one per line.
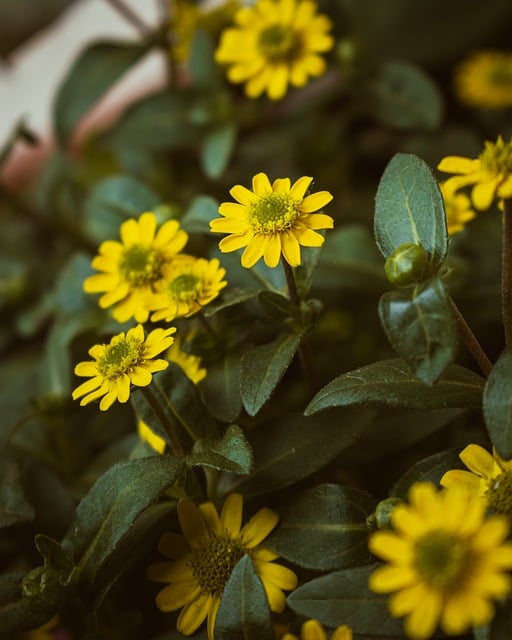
(127,359)
(490,173)
(446,561)
(458,209)
(187,17)
(188,285)
(489,477)
(313,630)
(191,366)
(272,220)
(131,268)
(275,43)
(484,80)
(204,557)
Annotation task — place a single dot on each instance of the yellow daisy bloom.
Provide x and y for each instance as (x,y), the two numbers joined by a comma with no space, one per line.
(191,366)
(272,220)
(275,42)
(204,557)
(189,284)
(458,209)
(127,359)
(313,630)
(484,79)
(446,561)
(490,173)
(131,268)
(489,477)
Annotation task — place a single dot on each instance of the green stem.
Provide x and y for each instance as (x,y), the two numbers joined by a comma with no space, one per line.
(131,17)
(165,422)
(305,353)
(506,270)
(471,342)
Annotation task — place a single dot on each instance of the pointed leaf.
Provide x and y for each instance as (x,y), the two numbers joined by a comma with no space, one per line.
(96,69)
(262,369)
(220,390)
(243,612)
(232,453)
(14,507)
(217,149)
(409,208)
(391,382)
(19,613)
(419,324)
(498,404)
(324,528)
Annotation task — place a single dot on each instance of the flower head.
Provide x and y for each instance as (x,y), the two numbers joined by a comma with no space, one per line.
(484,80)
(188,285)
(313,630)
(204,557)
(446,561)
(131,268)
(489,477)
(272,219)
(458,209)
(490,173)
(127,359)
(275,42)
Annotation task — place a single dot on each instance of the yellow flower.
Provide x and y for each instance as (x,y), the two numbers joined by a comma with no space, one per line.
(188,285)
(446,561)
(132,267)
(458,209)
(489,477)
(275,42)
(484,79)
(313,630)
(187,17)
(204,557)
(272,219)
(191,366)
(490,173)
(127,359)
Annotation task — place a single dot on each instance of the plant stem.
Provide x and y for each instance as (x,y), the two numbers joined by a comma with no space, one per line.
(305,354)
(167,424)
(470,340)
(131,17)
(506,270)
(207,325)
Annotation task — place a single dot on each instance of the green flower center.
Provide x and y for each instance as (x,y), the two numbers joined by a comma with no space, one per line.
(185,287)
(499,494)
(213,564)
(441,559)
(273,213)
(278,43)
(497,157)
(141,265)
(120,356)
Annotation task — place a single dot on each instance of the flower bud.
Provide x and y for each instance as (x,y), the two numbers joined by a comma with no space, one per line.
(383,512)
(406,265)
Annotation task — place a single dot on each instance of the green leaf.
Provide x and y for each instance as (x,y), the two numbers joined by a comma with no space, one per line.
(409,208)
(201,210)
(429,469)
(220,390)
(14,507)
(497,404)
(263,367)
(113,201)
(343,597)
(96,69)
(401,95)
(391,382)
(229,298)
(293,447)
(419,324)
(277,306)
(231,453)
(243,612)
(172,399)
(324,528)
(217,148)
(204,71)
(16,612)
(107,512)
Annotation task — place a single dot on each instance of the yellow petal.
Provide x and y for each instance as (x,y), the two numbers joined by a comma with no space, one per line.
(261,184)
(177,595)
(231,515)
(342,633)
(505,188)
(478,460)
(193,615)
(242,194)
(192,523)
(253,252)
(422,621)
(129,232)
(457,613)
(458,477)
(108,400)
(232,210)
(86,369)
(388,546)
(100,282)
(211,518)
(458,164)
(309,238)
(87,386)
(278,575)
(276,598)
(278,82)
(300,187)
(483,193)
(140,376)
(388,579)
(272,250)
(212,616)
(316,201)
(258,527)
(406,600)
(147,228)
(313,630)
(281,185)
(290,248)
(319,221)
(235,241)
(123,388)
